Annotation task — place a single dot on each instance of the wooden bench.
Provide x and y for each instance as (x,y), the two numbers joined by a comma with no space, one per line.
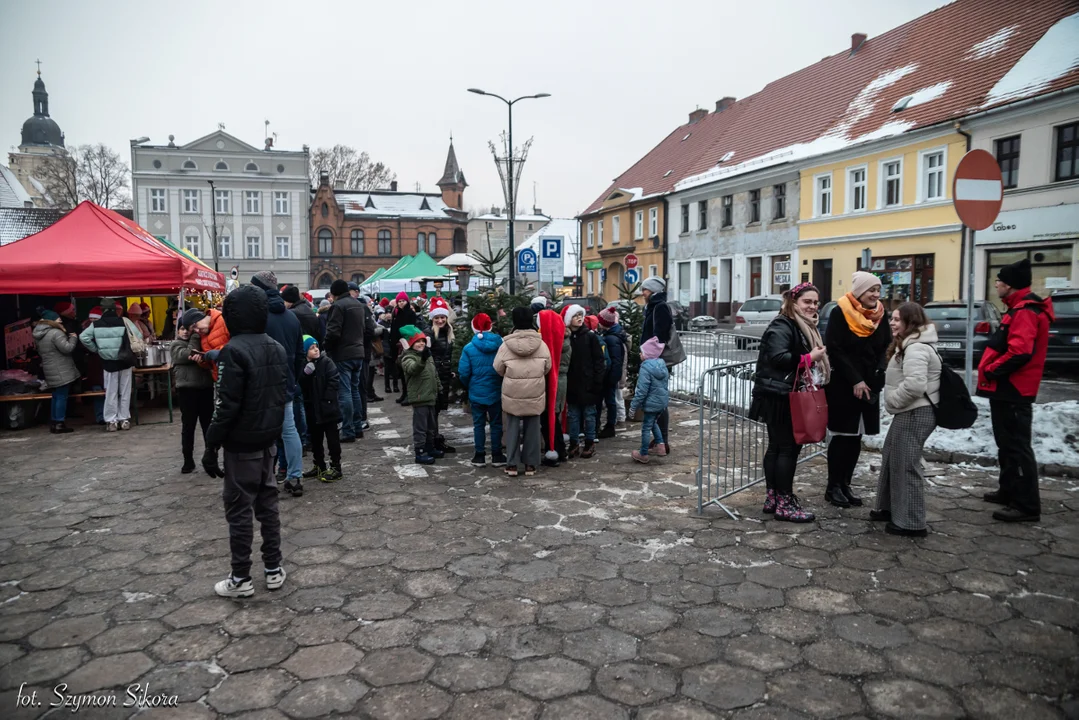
(48,396)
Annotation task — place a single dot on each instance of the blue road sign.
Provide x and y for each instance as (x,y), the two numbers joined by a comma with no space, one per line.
(552,248)
(526,261)
(632,276)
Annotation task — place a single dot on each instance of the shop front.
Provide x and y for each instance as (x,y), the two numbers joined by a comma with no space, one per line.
(903,278)
(1048,237)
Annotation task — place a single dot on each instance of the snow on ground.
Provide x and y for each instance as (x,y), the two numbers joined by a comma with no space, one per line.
(992,44)
(1054,55)
(1053,423)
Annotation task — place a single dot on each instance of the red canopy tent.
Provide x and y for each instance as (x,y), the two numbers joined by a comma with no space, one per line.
(93,251)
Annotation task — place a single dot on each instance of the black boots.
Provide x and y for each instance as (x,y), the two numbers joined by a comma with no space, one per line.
(835,495)
(440,444)
(189,464)
(60,429)
(607,431)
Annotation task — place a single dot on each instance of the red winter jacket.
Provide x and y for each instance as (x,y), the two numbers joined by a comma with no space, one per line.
(1012,364)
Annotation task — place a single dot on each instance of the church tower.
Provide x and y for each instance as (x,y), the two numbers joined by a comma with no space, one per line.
(453,182)
(41,139)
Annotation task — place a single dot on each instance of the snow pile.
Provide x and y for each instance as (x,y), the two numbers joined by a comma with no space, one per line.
(927,94)
(992,44)
(1053,56)
(1054,434)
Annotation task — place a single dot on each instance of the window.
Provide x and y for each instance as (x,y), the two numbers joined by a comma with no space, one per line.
(490,225)
(933,175)
(221,165)
(893,178)
(357,242)
(224,245)
(601,233)
(530,227)
(223,202)
(685,218)
(616,229)
(822,202)
(191,243)
(779,192)
(653,222)
(190,165)
(728,210)
(251,167)
(384,243)
(358,278)
(702,215)
(588,275)
(191,201)
(254,246)
(325,242)
(591,233)
(421,242)
(857,187)
(157,201)
(325,210)
(252,202)
(280,203)
(638,225)
(284,247)
(432,244)
(653,270)
(754,206)
(1008,159)
(1067,152)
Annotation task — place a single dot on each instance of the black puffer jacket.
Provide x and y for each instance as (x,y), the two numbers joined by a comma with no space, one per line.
(855,359)
(401,317)
(252,378)
(345,330)
(320,392)
(586,368)
(309,322)
(658,319)
(782,347)
(284,327)
(442,354)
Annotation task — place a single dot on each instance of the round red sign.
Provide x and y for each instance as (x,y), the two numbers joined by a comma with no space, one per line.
(631,261)
(977,189)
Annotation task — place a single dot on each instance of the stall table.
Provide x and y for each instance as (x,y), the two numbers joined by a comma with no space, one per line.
(153,376)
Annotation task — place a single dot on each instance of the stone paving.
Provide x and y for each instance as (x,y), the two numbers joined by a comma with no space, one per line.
(590,591)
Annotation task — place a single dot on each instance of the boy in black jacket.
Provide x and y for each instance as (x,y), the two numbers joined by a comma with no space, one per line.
(248,417)
(321,383)
(585,386)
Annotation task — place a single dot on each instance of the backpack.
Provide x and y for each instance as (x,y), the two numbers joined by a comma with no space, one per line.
(606,355)
(956,411)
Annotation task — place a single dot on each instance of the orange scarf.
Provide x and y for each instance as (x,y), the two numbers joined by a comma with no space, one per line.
(862,322)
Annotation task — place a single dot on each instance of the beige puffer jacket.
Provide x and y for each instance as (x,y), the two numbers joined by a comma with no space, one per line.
(523,362)
(917,374)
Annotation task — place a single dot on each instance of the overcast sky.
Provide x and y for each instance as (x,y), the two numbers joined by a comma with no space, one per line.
(391,77)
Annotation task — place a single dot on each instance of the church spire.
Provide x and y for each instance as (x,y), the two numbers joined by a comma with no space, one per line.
(452,175)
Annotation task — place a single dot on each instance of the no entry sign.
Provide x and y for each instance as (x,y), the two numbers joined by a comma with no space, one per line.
(977,190)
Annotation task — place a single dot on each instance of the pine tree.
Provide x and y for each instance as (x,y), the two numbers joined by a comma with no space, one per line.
(631,317)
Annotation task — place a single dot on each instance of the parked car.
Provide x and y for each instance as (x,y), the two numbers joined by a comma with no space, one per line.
(951,321)
(704,323)
(1064,332)
(592,304)
(823,314)
(759,310)
(681,315)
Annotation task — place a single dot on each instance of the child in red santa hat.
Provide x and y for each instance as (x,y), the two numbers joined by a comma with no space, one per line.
(476,370)
(441,344)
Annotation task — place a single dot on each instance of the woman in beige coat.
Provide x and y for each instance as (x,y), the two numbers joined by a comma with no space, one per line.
(523,362)
(912,389)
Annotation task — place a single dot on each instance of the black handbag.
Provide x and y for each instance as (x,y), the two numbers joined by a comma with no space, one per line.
(126,355)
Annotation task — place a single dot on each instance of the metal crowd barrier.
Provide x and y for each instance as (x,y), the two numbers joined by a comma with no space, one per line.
(704,351)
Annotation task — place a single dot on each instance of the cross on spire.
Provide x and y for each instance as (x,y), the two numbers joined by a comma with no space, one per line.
(38,67)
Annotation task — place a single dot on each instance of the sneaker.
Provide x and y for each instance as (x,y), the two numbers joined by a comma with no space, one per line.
(530,470)
(436,454)
(60,429)
(589,450)
(365,425)
(498,460)
(232,587)
(769,502)
(282,475)
(425,460)
(574,451)
(996,497)
(374,399)
(448,448)
(479,460)
(607,431)
(1010,514)
(275,578)
(331,475)
(294,487)
(637,457)
(511,471)
(111,427)
(348,440)
(314,472)
(125,425)
(789,509)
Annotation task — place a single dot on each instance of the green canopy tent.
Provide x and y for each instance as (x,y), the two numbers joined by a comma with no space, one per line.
(421,265)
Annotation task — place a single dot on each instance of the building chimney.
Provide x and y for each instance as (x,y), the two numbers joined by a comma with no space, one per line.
(269,143)
(323,178)
(697,115)
(724,103)
(393,186)
(856,41)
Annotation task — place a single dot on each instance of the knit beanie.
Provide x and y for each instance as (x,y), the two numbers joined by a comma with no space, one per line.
(95,312)
(654,284)
(522,318)
(481,323)
(353,287)
(862,282)
(1017,275)
(135,309)
(571,311)
(413,334)
(402,296)
(339,288)
(291,294)
(324,304)
(384,302)
(308,341)
(62,307)
(50,315)
(190,317)
(651,348)
(265,279)
(608,317)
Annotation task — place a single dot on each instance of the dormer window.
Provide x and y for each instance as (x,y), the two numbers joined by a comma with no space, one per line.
(726,156)
(251,167)
(190,165)
(221,165)
(370,202)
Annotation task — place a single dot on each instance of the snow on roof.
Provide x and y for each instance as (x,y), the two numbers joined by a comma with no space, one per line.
(12,193)
(1053,56)
(921,97)
(992,44)
(383,204)
(517,218)
(565,228)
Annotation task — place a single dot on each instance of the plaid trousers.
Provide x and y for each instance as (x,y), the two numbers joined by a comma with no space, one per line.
(901,488)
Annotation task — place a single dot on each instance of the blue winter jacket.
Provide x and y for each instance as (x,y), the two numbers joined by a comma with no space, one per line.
(476,369)
(284,327)
(614,338)
(651,394)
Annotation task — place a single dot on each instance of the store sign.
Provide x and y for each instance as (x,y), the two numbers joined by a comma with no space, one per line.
(1043,224)
(18,338)
(781,278)
(781,266)
(594,265)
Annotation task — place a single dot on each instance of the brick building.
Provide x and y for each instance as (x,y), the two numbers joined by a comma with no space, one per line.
(354,233)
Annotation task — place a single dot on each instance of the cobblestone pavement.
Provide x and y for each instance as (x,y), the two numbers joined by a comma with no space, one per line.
(592,591)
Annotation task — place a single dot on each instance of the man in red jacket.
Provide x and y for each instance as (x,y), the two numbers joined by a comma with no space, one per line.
(1009,375)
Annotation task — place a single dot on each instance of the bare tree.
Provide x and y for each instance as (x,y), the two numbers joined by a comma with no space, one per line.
(87,172)
(349,169)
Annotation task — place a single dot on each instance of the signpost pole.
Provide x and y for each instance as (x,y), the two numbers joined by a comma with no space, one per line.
(968,235)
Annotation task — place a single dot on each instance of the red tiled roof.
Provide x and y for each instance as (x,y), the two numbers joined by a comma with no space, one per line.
(953,56)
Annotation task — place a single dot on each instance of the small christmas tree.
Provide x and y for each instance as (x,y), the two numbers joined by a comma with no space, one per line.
(631,317)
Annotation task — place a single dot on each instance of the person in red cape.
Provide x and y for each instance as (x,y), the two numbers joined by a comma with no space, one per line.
(553,331)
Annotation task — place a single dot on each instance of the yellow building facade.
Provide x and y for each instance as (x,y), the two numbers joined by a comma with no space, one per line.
(893,198)
(621,226)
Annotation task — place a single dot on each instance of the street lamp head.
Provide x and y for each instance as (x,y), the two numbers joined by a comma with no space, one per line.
(477,91)
(541,95)
(140,141)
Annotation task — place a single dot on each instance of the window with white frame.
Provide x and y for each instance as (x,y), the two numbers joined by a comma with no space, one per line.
(616,229)
(653,222)
(856,184)
(653,270)
(191,201)
(356,242)
(589,278)
(224,245)
(223,202)
(591,234)
(638,225)
(432,244)
(822,202)
(280,203)
(191,242)
(158,203)
(254,245)
(892,183)
(284,247)
(600,229)
(933,175)
(252,202)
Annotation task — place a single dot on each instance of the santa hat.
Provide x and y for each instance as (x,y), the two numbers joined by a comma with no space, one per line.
(539,303)
(95,312)
(412,334)
(402,296)
(422,296)
(481,323)
(308,297)
(145,308)
(553,332)
(608,317)
(439,308)
(62,307)
(571,311)
(591,322)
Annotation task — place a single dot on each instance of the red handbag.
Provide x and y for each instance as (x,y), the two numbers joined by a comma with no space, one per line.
(809,408)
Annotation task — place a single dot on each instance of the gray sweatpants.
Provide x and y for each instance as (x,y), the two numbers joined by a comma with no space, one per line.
(529,427)
(424,427)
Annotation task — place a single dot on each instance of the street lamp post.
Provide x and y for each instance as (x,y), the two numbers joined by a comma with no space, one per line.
(213,216)
(509,175)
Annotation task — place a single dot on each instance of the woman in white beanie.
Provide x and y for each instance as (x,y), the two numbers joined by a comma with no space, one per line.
(857,340)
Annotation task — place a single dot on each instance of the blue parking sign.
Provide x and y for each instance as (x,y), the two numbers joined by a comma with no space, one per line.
(552,248)
(526,261)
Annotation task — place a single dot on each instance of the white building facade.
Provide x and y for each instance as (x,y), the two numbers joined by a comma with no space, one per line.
(495,226)
(259,199)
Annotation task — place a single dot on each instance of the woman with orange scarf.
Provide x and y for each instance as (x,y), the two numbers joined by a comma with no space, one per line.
(857,342)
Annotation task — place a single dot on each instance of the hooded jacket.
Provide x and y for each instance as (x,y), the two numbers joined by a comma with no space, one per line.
(345,329)
(252,378)
(476,369)
(658,319)
(55,347)
(586,368)
(189,375)
(216,338)
(523,362)
(320,392)
(422,377)
(615,340)
(651,394)
(106,337)
(309,322)
(914,375)
(1014,360)
(284,327)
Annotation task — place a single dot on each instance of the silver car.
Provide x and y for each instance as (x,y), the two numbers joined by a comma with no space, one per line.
(759,310)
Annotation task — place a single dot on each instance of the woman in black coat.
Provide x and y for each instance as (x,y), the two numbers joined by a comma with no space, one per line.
(857,342)
(441,344)
(403,314)
(659,324)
